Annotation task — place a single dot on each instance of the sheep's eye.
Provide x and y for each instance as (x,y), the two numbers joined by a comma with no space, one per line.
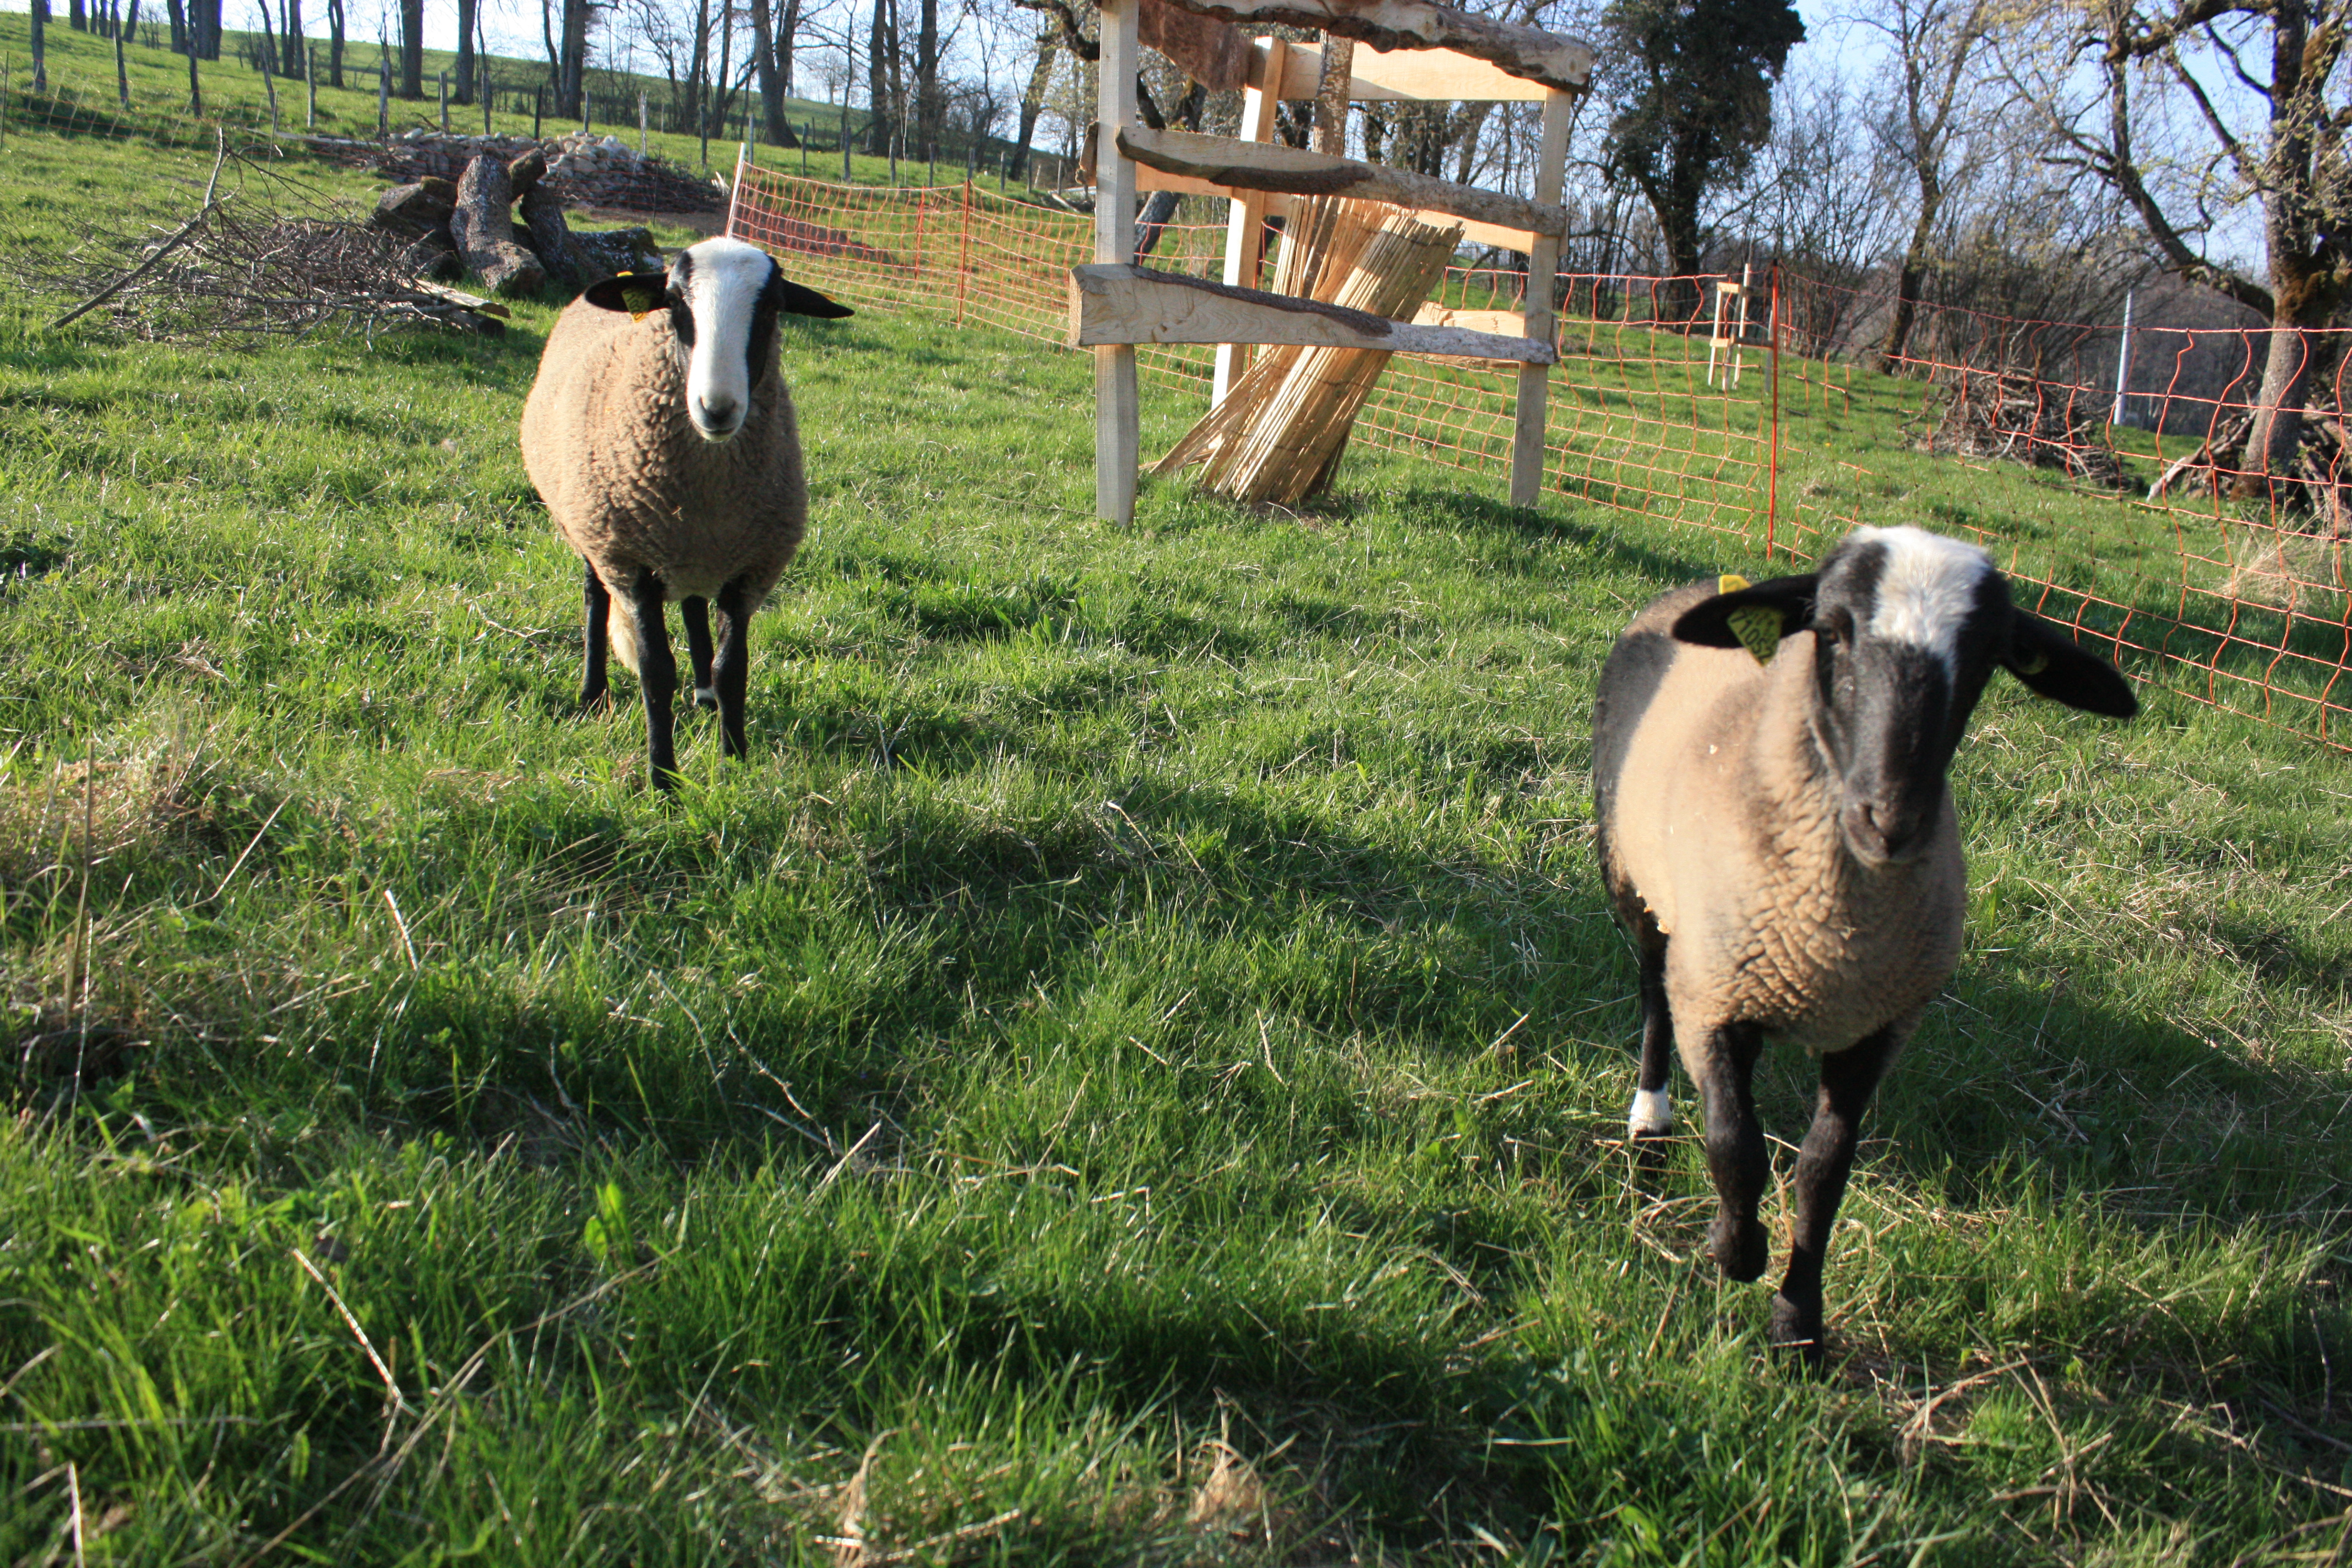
(1837,626)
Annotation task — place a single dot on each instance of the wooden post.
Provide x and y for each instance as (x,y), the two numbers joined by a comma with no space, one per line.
(268,84)
(309,87)
(490,90)
(445,104)
(1528,432)
(123,74)
(195,92)
(963,249)
(641,125)
(383,100)
(1117,415)
(538,107)
(1245,212)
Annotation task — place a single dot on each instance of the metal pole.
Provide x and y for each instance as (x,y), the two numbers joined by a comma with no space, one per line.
(2123,361)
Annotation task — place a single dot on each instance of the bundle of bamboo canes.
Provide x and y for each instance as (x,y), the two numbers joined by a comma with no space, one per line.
(1278,435)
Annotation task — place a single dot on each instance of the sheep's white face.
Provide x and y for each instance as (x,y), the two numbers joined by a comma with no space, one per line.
(721,300)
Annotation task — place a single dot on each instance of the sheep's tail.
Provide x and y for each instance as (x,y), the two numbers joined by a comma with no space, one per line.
(621,629)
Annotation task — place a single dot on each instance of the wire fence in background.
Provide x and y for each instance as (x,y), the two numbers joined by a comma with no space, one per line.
(2235,583)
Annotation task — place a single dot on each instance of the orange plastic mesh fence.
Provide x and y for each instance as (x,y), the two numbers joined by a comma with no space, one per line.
(2235,580)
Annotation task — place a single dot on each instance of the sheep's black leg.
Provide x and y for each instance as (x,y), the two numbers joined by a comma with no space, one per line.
(732,672)
(593,690)
(1848,1078)
(657,673)
(1735,1149)
(1652,1115)
(696,613)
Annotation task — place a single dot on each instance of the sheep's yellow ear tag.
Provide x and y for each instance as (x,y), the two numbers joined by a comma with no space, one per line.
(1757,626)
(640,301)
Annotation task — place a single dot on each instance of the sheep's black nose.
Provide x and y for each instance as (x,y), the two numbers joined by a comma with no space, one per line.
(718,414)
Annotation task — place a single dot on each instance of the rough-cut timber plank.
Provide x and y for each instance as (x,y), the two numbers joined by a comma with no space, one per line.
(1114,304)
(1526,52)
(1407,76)
(1270,166)
(1215,54)
(1508,322)
(1246,222)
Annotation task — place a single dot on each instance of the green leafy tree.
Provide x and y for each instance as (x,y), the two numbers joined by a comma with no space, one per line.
(1691,85)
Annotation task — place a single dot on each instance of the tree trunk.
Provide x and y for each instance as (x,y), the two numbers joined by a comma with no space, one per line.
(411,48)
(77,16)
(928,105)
(40,41)
(335,44)
(172,9)
(577,17)
(1032,101)
(722,87)
(877,87)
(2286,371)
(1914,274)
(466,51)
(291,40)
(773,127)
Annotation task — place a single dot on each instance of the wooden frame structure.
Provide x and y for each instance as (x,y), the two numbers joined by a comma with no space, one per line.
(1420,50)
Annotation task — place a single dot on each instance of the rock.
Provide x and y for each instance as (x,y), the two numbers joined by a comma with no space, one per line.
(609,252)
(434,256)
(550,238)
(524,172)
(417,209)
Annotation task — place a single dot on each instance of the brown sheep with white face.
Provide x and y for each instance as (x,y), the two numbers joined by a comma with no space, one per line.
(661,437)
(1777,835)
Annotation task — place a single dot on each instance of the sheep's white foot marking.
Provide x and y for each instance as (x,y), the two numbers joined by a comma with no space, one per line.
(1652,1115)
(706,697)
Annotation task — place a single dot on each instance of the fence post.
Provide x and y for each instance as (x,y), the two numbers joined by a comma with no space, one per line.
(489,93)
(1772,448)
(963,255)
(122,74)
(383,100)
(2123,361)
(196,91)
(845,135)
(445,104)
(309,87)
(641,125)
(268,85)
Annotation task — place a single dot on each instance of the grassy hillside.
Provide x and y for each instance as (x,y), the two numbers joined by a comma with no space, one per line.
(1131,1070)
(82,83)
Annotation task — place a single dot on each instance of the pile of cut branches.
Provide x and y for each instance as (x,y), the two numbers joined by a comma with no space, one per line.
(250,262)
(2314,478)
(2015,417)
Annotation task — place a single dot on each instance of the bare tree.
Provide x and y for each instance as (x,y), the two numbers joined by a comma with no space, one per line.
(1933,42)
(411,48)
(2129,88)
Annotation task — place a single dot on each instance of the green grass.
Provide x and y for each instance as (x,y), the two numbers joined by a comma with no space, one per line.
(1129,1071)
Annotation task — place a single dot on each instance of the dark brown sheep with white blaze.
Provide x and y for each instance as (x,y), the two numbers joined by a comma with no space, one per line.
(1777,837)
(661,437)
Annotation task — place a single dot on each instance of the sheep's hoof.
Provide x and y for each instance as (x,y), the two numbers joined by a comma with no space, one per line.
(1797,1331)
(706,697)
(1737,1247)
(594,704)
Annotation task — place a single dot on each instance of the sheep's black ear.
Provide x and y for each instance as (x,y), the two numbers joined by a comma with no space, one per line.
(635,292)
(799,301)
(1753,615)
(2052,665)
